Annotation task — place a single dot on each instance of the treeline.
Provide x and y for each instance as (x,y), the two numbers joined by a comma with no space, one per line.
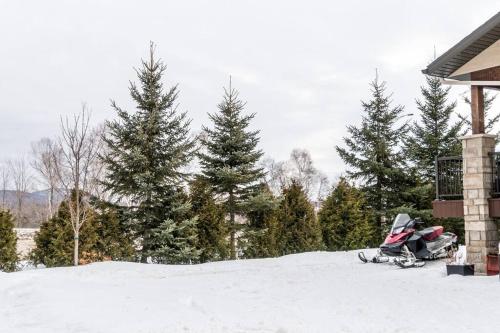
(129,192)
(392,160)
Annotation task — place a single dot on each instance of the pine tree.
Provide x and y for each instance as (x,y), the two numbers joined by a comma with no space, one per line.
(230,156)
(211,228)
(435,134)
(146,153)
(260,238)
(372,152)
(8,242)
(299,228)
(175,242)
(102,237)
(346,220)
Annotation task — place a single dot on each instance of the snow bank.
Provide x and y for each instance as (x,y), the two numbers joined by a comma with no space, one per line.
(311,292)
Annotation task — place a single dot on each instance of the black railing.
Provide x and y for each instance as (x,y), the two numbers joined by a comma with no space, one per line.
(449,178)
(495,175)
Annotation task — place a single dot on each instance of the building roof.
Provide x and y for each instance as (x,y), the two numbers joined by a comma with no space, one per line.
(469,47)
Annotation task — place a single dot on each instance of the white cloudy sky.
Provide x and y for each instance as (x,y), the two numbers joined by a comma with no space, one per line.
(302,66)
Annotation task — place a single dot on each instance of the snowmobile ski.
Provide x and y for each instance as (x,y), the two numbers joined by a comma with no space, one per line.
(362,257)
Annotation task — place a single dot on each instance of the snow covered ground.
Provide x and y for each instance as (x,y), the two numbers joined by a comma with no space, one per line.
(310,292)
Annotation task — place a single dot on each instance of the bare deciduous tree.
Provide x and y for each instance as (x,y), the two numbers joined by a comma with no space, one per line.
(277,174)
(97,170)
(47,155)
(299,167)
(79,146)
(303,169)
(4,183)
(323,186)
(21,179)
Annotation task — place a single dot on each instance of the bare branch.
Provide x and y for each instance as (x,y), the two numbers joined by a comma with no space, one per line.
(47,156)
(79,146)
(22,181)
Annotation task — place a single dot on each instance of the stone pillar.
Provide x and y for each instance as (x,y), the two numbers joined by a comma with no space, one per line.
(481,233)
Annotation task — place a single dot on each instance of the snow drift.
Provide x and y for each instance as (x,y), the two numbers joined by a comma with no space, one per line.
(310,292)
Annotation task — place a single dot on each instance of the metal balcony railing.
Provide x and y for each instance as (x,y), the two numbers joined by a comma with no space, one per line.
(449,178)
(495,175)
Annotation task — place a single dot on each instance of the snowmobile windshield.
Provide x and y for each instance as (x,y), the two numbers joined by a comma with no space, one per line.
(400,223)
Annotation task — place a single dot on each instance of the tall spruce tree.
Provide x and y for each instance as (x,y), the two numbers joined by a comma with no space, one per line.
(372,152)
(299,227)
(211,229)
(229,157)
(435,134)
(147,150)
(346,220)
(8,242)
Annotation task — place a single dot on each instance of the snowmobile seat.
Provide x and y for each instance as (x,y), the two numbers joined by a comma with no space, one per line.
(431,232)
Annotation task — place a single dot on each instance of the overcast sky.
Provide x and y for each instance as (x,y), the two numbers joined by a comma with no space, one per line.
(302,66)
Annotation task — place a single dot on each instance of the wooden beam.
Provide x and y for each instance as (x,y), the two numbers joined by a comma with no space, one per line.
(477,109)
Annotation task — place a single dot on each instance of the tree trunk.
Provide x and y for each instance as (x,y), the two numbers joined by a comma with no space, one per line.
(145,248)
(51,201)
(232,226)
(3,197)
(19,209)
(75,250)
(381,214)
(77,220)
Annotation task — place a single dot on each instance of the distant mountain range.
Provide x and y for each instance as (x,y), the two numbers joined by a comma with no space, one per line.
(34,206)
(37,197)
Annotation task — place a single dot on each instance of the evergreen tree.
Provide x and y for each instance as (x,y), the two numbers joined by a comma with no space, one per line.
(435,134)
(260,238)
(54,240)
(372,153)
(113,239)
(299,228)
(346,220)
(490,119)
(175,242)
(230,156)
(147,150)
(8,242)
(102,237)
(211,227)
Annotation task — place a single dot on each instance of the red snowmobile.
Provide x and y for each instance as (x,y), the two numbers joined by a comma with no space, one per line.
(408,247)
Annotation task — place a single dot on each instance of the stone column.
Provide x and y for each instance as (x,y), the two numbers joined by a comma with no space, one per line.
(481,232)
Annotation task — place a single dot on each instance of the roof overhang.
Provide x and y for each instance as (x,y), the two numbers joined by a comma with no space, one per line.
(455,62)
